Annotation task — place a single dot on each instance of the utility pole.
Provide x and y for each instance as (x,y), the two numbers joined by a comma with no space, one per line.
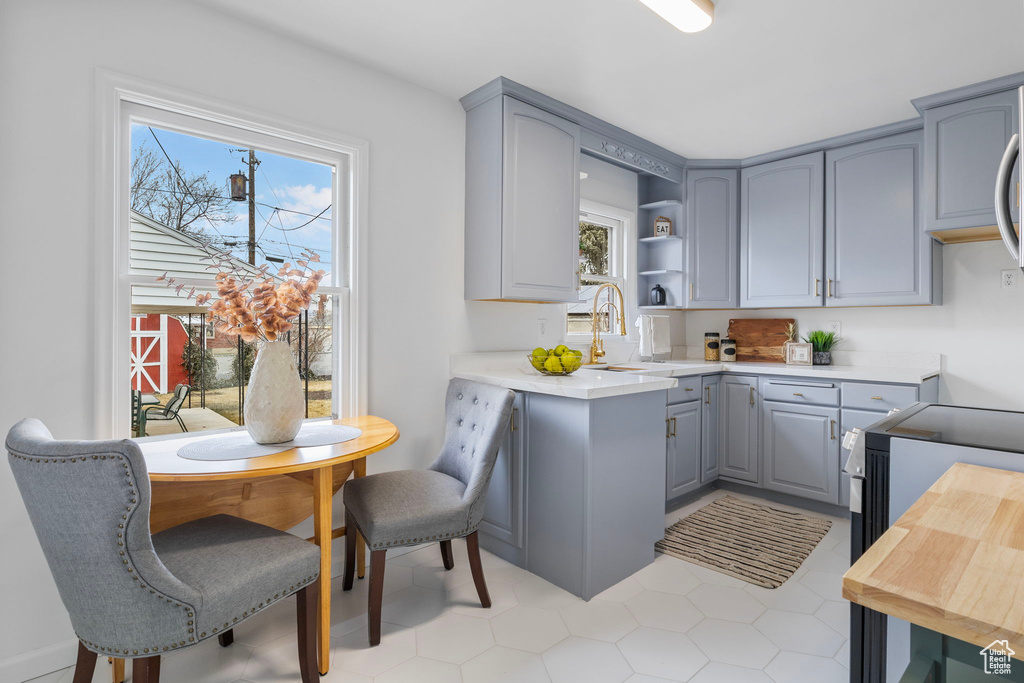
(252,206)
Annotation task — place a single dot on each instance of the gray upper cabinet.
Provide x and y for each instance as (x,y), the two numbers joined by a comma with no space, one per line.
(738,428)
(709,428)
(683,432)
(801,450)
(964,142)
(712,238)
(782,233)
(504,506)
(522,203)
(876,253)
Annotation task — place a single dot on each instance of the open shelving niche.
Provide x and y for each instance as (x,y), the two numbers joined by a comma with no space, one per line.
(660,260)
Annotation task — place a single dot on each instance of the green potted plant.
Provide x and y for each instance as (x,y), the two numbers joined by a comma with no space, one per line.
(822,343)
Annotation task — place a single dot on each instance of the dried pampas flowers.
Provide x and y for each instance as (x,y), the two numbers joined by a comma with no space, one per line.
(257,305)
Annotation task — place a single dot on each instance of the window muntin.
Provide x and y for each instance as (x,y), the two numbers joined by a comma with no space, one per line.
(601,260)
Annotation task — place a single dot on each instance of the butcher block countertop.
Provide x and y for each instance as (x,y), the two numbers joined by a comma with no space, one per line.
(954,563)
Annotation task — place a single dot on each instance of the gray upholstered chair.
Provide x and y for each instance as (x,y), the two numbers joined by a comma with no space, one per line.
(445,501)
(137,596)
(169,412)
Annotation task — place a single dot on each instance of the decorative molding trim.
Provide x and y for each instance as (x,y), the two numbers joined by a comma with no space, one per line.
(595,127)
(967,92)
(614,151)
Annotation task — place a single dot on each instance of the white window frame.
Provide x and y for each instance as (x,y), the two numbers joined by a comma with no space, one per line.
(124,100)
(622,258)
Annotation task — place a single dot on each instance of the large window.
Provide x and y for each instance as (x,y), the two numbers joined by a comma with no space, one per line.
(189,183)
(603,259)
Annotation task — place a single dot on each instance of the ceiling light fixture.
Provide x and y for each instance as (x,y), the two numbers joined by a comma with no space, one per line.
(689,16)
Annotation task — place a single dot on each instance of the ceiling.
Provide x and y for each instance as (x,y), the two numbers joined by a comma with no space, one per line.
(768,74)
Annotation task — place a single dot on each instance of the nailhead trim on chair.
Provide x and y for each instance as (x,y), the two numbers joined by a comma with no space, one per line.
(425,539)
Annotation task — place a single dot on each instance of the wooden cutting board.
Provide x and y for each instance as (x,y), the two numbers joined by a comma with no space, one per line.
(760,340)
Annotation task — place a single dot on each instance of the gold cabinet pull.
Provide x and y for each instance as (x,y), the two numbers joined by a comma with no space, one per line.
(691,291)
(832,429)
(668,427)
(689,388)
(514,411)
(876,398)
(829,288)
(751,395)
(707,395)
(797,393)
(673,426)
(817,281)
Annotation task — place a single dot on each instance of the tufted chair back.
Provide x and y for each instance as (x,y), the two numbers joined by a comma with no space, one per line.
(89,505)
(477,416)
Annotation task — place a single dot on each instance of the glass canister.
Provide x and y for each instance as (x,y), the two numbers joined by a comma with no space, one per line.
(728,350)
(712,346)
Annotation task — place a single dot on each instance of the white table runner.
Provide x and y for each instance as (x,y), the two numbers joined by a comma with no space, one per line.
(239,445)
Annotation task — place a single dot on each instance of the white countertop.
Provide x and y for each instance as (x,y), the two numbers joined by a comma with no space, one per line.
(513,371)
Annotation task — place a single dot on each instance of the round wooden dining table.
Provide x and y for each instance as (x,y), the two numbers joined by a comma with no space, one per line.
(279,490)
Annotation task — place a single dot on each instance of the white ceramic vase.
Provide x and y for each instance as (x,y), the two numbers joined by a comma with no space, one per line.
(274,403)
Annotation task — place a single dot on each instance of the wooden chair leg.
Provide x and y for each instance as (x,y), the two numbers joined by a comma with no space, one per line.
(306,606)
(446,555)
(85,666)
(117,670)
(376,594)
(473,548)
(351,535)
(146,670)
(226,638)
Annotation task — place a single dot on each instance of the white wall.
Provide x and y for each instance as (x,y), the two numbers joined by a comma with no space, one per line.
(49,54)
(979,330)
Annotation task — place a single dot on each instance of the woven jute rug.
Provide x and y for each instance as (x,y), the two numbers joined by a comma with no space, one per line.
(755,543)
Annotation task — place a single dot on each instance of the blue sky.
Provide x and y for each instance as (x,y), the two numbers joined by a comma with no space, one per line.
(297,187)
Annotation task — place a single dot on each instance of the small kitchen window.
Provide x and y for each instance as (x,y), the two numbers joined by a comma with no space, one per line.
(603,236)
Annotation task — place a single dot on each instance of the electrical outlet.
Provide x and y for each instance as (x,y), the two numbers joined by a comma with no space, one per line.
(837,327)
(1008,278)
(542,327)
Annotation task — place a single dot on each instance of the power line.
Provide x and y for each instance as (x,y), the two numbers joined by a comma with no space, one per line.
(269,206)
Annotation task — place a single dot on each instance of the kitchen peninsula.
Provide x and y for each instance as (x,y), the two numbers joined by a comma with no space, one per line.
(593,460)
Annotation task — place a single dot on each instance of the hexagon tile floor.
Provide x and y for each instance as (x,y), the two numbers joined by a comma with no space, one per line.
(671,621)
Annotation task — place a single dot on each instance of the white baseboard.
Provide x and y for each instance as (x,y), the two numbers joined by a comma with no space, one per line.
(36,663)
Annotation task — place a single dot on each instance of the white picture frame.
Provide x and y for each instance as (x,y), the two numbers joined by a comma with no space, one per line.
(799,353)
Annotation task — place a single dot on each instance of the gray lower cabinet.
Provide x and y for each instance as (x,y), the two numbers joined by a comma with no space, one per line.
(964,142)
(522,203)
(710,429)
(876,253)
(738,428)
(712,238)
(782,233)
(683,467)
(505,505)
(801,450)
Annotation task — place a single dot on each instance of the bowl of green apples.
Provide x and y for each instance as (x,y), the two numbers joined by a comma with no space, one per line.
(558,361)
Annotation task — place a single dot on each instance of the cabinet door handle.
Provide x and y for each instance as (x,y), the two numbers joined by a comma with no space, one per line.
(797,393)
(668,427)
(514,411)
(751,395)
(832,429)
(876,398)
(689,388)
(691,291)
(817,282)
(673,426)
(707,395)
(829,288)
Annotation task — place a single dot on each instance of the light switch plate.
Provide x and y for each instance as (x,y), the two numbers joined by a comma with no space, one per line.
(836,326)
(542,327)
